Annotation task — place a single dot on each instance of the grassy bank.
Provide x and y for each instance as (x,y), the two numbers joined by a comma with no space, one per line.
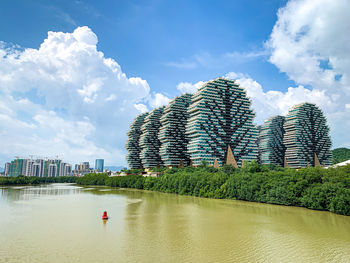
(23,180)
(314,188)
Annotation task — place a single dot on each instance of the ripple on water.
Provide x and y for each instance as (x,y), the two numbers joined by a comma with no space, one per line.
(90,188)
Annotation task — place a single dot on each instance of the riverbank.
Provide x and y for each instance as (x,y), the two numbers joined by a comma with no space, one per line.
(25,180)
(314,188)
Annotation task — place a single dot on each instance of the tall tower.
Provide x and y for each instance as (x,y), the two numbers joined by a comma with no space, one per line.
(271,144)
(220,115)
(149,142)
(133,143)
(172,135)
(99,165)
(307,137)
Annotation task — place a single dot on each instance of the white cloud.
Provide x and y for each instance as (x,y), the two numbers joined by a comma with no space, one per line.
(141,107)
(183,64)
(158,100)
(209,60)
(67,98)
(267,104)
(187,87)
(310,43)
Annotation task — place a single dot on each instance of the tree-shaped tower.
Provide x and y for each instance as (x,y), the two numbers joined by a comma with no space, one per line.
(271,145)
(307,137)
(220,115)
(149,141)
(172,135)
(132,144)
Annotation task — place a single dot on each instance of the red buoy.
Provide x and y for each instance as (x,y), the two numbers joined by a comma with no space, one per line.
(104,216)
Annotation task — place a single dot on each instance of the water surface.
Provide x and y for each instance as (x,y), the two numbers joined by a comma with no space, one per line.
(62,223)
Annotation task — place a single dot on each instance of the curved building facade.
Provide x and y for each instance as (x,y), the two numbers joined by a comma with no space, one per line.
(306,138)
(271,145)
(149,141)
(172,135)
(133,142)
(220,116)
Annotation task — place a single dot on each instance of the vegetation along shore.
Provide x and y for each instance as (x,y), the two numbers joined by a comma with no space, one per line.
(314,187)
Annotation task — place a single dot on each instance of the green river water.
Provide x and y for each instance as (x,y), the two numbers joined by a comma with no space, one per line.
(62,223)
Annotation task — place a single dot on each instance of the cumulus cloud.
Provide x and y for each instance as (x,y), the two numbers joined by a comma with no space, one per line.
(187,87)
(310,44)
(67,98)
(141,107)
(267,104)
(158,100)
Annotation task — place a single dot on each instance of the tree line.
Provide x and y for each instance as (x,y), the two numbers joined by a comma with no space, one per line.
(340,155)
(314,187)
(23,180)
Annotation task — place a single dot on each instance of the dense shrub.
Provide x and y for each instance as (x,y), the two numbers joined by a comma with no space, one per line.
(93,179)
(22,180)
(315,188)
(340,155)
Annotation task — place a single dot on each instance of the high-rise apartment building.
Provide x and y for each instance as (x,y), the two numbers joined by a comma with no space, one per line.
(133,142)
(52,171)
(67,170)
(149,141)
(306,137)
(220,116)
(41,162)
(29,167)
(16,167)
(7,169)
(271,145)
(24,167)
(61,169)
(99,163)
(172,133)
(36,170)
(82,168)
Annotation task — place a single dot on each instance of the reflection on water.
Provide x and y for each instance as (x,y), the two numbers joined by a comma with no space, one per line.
(62,223)
(31,192)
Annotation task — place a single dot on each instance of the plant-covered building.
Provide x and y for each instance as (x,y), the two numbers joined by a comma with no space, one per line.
(220,115)
(172,135)
(306,138)
(271,145)
(133,142)
(149,141)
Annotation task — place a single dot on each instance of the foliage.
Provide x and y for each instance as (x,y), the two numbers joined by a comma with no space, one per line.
(92,179)
(314,187)
(133,171)
(23,180)
(340,155)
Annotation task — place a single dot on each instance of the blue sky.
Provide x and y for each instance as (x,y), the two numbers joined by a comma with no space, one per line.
(145,37)
(78,105)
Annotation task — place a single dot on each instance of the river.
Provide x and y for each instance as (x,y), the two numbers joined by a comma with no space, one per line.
(62,223)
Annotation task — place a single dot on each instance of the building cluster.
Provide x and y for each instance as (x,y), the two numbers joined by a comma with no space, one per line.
(49,167)
(216,125)
(37,167)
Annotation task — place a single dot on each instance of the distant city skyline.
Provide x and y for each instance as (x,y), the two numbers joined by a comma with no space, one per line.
(74,74)
(49,167)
